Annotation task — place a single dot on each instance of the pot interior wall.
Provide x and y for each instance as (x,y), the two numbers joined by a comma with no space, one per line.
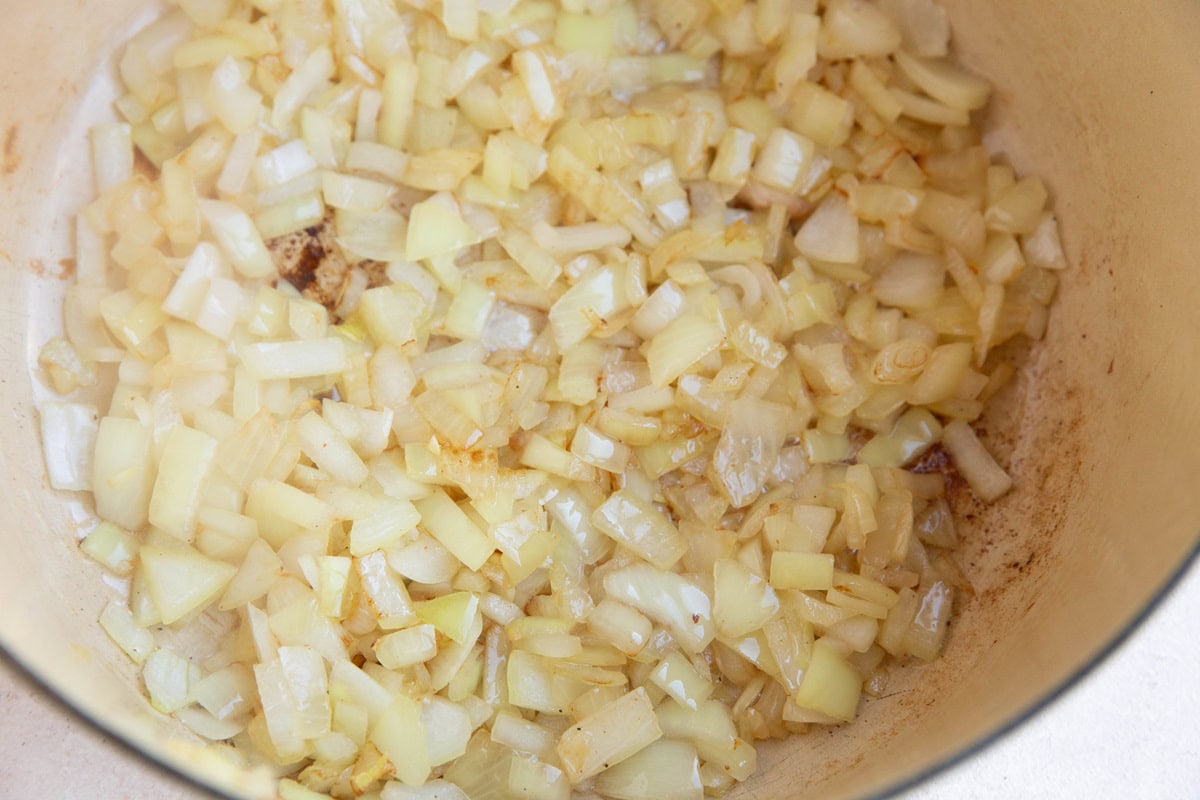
(1099,430)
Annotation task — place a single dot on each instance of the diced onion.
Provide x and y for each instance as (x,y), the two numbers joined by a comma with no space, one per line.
(68,439)
(609,736)
(831,233)
(522,399)
(977,465)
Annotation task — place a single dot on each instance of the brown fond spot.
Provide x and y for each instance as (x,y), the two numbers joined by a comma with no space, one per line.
(143,166)
(311,261)
(12,159)
(65,268)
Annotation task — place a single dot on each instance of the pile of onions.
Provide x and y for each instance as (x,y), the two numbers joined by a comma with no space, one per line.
(592,466)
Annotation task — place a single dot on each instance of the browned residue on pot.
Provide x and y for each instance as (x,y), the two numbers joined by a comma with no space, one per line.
(12,159)
(311,261)
(66,269)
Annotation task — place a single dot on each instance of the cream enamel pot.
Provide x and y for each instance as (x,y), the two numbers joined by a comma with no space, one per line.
(1100,430)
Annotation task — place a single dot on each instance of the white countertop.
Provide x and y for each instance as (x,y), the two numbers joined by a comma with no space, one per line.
(1130,730)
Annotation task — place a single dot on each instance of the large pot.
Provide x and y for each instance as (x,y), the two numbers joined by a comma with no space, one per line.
(1101,430)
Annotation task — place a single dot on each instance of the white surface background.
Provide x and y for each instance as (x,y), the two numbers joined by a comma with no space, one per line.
(1130,731)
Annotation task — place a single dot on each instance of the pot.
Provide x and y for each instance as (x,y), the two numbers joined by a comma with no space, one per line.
(1099,430)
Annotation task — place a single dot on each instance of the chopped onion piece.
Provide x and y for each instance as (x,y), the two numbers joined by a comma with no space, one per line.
(784,160)
(118,623)
(351,193)
(976,464)
(279,710)
(330,451)
(911,281)
(609,736)
(664,770)
(255,577)
(667,598)
(599,450)
(451,614)
(1018,209)
(169,679)
(69,432)
(123,471)
(407,647)
(676,676)
(447,523)
(585,307)
(748,448)
(187,457)
(283,164)
(928,629)
(112,154)
(735,157)
(820,115)
(316,68)
(830,686)
(681,344)
(1043,247)
(111,547)
(621,626)
(447,729)
(659,310)
(296,359)
(182,581)
(944,81)
(923,23)
(436,228)
(912,435)
(802,571)
(291,790)
(238,237)
(388,596)
(711,730)
(307,682)
(853,28)
(831,233)
(631,522)
(433,790)
(742,601)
